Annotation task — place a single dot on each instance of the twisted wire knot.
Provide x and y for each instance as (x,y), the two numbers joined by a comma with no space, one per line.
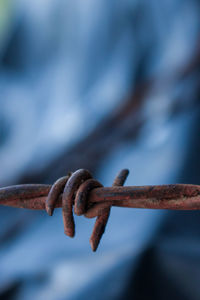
(75,188)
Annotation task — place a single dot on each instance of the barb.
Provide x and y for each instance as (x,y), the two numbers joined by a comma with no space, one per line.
(102,218)
(91,199)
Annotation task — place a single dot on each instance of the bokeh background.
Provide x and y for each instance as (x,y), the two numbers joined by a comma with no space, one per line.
(102,85)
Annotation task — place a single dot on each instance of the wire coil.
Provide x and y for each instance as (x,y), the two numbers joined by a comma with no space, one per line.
(75,188)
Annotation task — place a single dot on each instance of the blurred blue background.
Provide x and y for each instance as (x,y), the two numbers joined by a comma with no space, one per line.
(102,85)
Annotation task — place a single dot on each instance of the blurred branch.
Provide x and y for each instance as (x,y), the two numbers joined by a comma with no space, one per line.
(124,123)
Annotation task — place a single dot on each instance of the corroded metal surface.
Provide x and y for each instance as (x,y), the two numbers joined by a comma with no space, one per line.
(173,196)
(88,197)
(104,213)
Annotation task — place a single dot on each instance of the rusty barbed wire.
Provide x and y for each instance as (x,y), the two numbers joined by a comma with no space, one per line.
(80,192)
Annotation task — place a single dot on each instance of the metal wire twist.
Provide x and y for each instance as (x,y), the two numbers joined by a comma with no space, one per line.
(75,188)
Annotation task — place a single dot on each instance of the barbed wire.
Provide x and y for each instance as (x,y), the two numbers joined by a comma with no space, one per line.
(80,192)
